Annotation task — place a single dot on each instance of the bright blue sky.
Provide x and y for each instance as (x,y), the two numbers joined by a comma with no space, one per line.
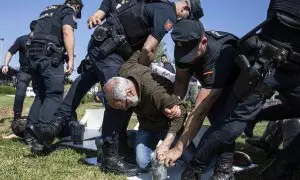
(235,16)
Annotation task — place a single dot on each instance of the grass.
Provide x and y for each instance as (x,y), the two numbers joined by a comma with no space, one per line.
(18,163)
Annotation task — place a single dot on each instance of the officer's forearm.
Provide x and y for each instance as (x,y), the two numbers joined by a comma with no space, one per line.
(191,128)
(68,34)
(7,58)
(146,57)
(181,82)
(205,100)
(180,89)
(148,51)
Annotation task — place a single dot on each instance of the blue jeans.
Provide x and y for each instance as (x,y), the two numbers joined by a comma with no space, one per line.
(146,143)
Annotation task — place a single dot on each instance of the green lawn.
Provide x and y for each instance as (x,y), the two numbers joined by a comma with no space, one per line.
(18,163)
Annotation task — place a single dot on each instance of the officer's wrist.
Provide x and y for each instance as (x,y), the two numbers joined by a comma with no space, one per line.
(5,65)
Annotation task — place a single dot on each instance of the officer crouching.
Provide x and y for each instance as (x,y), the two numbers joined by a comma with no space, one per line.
(53,36)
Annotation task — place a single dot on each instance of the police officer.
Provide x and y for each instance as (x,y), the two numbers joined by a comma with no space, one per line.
(24,77)
(129,26)
(270,61)
(209,56)
(53,36)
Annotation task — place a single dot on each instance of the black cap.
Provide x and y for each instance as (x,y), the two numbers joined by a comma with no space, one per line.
(32,25)
(196,11)
(187,35)
(76,2)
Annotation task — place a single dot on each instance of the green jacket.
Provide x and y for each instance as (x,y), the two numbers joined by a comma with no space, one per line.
(155,94)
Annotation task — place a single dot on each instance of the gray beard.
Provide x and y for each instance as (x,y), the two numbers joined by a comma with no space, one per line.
(134,100)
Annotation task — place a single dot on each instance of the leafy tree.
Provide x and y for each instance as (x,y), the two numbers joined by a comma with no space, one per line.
(161,49)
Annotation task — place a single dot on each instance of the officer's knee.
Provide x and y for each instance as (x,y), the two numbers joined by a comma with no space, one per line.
(56,86)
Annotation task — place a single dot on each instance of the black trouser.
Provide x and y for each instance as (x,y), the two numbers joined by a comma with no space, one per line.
(102,70)
(221,137)
(48,85)
(291,152)
(23,79)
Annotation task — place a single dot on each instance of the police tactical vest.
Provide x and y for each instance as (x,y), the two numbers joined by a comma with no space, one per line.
(217,40)
(51,16)
(291,7)
(130,16)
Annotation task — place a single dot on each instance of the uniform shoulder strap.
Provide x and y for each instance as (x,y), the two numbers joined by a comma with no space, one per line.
(223,37)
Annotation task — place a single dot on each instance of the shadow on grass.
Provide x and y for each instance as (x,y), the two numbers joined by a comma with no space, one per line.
(2,120)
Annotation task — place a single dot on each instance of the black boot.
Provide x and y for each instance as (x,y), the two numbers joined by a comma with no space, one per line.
(191,172)
(47,133)
(17,115)
(31,139)
(125,152)
(110,159)
(262,144)
(278,170)
(250,127)
(223,169)
(18,125)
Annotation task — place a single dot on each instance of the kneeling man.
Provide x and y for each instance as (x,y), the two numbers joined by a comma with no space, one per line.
(150,96)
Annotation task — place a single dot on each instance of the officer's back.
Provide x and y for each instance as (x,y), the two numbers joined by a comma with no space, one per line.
(284,24)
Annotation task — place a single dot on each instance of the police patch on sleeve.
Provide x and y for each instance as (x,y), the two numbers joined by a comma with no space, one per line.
(216,34)
(207,78)
(168,25)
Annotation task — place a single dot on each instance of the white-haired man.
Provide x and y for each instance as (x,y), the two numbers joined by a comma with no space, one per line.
(149,95)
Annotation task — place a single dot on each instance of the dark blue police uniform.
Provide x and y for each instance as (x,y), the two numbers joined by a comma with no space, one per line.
(46,62)
(280,47)
(215,70)
(157,18)
(23,77)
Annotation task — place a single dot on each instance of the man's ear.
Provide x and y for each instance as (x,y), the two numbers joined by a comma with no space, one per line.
(203,43)
(130,92)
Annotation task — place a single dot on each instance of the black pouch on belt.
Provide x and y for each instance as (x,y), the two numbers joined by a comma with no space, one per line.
(111,43)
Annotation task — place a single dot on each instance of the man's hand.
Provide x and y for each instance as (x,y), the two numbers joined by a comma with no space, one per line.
(173,112)
(169,157)
(93,21)
(5,69)
(70,67)
(162,148)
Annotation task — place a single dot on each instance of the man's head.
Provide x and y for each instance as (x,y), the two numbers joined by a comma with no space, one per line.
(32,25)
(164,58)
(121,93)
(77,5)
(189,9)
(190,41)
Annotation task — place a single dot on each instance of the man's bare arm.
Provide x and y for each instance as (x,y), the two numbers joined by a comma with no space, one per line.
(148,51)
(6,62)
(205,100)
(7,58)
(69,41)
(182,80)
